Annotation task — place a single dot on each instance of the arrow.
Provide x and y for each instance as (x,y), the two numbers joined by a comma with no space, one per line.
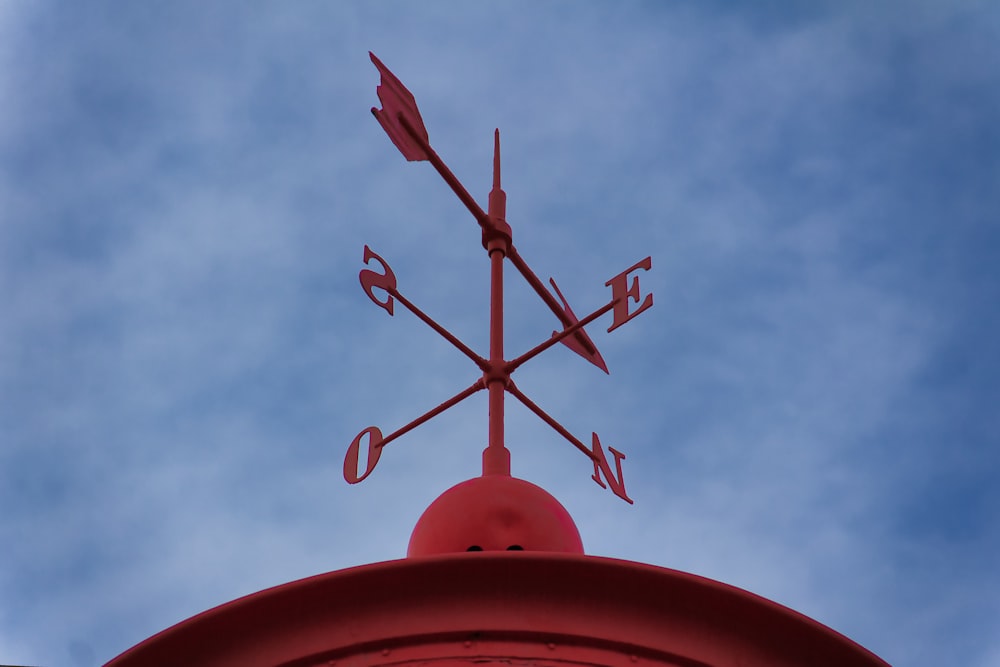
(580,342)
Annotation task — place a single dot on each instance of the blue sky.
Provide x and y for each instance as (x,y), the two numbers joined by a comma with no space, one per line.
(809,411)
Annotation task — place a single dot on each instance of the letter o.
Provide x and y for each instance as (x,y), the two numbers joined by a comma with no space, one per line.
(374,452)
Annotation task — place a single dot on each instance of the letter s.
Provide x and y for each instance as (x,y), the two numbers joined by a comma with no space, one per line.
(370,280)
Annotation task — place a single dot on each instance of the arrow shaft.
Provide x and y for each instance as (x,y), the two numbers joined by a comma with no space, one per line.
(477,212)
(547,297)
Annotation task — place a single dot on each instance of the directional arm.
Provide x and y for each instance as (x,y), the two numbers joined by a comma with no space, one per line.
(447,335)
(386,280)
(376,441)
(434,412)
(615,480)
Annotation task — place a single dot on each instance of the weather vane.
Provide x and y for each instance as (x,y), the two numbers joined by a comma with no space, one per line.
(401,120)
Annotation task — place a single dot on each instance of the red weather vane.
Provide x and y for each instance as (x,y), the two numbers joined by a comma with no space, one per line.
(401,120)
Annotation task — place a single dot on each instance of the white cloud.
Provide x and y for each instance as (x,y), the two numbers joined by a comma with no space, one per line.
(186,352)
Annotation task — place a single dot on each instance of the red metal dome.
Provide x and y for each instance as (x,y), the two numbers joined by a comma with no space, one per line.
(495,513)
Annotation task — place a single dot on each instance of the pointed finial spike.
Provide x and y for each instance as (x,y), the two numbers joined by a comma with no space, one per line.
(496,158)
(498,199)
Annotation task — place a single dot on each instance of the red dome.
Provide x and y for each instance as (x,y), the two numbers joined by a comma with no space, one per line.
(495,513)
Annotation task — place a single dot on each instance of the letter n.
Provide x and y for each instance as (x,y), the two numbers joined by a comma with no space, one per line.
(601,468)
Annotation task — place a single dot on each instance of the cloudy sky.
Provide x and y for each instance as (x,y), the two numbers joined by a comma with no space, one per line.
(810,411)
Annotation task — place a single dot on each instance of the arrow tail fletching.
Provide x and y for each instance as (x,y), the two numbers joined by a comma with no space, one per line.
(398,102)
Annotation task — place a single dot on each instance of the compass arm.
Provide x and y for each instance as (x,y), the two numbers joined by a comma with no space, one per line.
(376,441)
(559,336)
(456,186)
(559,428)
(447,335)
(603,474)
(430,414)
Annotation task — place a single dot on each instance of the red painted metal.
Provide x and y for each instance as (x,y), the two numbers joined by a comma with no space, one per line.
(401,120)
(385,281)
(496,573)
(579,341)
(398,104)
(494,513)
(500,608)
(622,293)
(376,441)
(496,238)
(592,355)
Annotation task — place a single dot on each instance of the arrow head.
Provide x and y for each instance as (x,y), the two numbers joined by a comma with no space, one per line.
(579,342)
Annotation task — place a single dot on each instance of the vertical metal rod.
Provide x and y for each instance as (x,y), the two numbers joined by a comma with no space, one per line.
(496,458)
